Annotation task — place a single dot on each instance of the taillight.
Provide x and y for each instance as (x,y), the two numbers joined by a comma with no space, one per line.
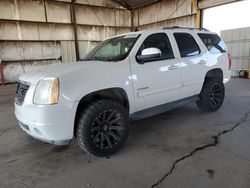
(229,61)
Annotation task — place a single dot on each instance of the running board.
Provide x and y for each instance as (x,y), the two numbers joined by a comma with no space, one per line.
(162,108)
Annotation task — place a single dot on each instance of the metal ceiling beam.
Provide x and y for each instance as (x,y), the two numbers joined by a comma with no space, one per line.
(147,4)
(129,7)
(123,3)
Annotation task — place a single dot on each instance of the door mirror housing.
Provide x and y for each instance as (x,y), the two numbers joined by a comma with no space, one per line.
(148,54)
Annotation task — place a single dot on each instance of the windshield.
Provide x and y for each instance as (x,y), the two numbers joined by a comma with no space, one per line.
(114,49)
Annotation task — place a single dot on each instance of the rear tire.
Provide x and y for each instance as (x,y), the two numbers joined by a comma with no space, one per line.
(103,128)
(212,95)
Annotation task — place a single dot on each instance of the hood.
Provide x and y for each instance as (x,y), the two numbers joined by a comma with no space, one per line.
(57,70)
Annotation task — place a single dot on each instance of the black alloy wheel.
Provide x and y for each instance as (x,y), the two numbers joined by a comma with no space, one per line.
(106,129)
(103,128)
(216,95)
(212,95)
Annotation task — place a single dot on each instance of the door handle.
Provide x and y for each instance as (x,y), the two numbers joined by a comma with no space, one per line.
(202,62)
(143,88)
(173,67)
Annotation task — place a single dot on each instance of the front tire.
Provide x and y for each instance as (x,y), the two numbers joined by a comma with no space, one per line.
(103,128)
(212,95)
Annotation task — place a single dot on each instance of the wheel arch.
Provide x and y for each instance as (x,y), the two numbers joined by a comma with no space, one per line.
(215,73)
(117,94)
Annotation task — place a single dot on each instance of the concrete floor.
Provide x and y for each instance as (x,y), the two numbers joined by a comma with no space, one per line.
(174,149)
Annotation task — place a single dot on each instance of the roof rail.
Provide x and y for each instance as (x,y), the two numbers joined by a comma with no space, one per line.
(190,28)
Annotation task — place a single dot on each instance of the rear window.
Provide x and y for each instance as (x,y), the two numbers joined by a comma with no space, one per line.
(187,44)
(213,43)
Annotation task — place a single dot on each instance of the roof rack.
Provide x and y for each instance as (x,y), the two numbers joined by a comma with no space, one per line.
(190,28)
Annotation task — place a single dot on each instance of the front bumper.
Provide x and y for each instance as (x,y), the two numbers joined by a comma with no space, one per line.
(50,123)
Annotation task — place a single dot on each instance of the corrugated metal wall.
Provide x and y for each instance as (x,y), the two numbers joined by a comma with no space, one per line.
(165,13)
(238,43)
(36,33)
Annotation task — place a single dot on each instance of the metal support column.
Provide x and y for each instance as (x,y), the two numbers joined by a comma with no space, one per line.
(198,14)
(1,74)
(73,14)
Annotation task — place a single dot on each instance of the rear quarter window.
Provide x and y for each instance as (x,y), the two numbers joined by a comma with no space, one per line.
(213,43)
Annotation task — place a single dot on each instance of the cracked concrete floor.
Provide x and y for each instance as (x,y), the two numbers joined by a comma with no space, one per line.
(154,146)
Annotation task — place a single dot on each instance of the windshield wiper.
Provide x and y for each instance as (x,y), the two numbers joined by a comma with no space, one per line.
(94,59)
(115,59)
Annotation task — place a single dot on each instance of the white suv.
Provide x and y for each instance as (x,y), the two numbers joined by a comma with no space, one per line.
(131,76)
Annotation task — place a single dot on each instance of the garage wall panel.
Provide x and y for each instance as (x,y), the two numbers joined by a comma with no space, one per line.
(68,51)
(93,33)
(58,12)
(9,31)
(55,32)
(186,21)
(7,9)
(28,31)
(238,43)
(164,10)
(102,16)
(122,18)
(14,69)
(35,31)
(17,51)
(30,10)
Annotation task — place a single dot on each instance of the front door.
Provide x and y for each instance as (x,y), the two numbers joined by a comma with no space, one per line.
(157,81)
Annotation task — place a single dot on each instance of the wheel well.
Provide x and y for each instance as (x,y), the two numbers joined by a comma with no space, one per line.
(215,73)
(117,94)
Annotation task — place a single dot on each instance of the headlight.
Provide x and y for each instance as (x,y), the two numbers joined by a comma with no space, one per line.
(47,91)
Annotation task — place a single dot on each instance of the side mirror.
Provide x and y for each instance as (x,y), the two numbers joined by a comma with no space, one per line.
(148,54)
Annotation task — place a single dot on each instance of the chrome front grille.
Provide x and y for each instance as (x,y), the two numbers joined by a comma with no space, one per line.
(21,93)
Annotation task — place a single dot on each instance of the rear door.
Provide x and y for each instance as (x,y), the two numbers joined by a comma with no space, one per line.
(192,62)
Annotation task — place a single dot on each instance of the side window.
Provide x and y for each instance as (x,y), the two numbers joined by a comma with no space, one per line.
(187,45)
(160,41)
(213,43)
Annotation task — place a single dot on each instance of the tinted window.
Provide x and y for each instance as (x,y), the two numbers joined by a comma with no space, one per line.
(160,41)
(186,44)
(213,43)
